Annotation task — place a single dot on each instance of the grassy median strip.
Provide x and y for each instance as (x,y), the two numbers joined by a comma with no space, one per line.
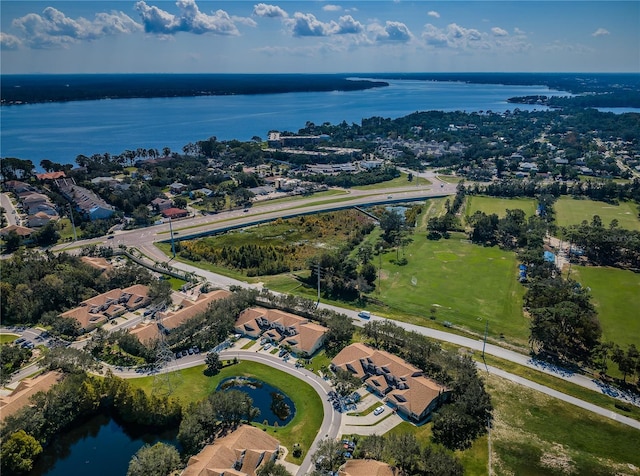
(556,383)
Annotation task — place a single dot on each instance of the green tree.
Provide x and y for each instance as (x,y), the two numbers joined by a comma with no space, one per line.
(271,468)
(17,453)
(345,382)
(12,242)
(160,293)
(47,236)
(213,363)
(438,462)
(404,449)
(69,360)
(453,427)
(328,456)
(157,460)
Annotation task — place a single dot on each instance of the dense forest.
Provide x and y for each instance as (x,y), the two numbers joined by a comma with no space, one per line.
(24,89)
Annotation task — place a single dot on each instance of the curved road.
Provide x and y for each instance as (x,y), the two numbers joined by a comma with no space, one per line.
(330,426)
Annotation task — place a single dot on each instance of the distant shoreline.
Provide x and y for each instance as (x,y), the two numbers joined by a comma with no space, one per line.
(598,89)
(33,89)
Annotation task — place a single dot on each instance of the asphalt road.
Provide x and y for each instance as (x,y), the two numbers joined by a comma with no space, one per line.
(331,422)
(260,213)
(10,211)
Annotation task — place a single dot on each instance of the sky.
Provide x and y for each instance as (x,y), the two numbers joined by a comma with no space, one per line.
(197,36)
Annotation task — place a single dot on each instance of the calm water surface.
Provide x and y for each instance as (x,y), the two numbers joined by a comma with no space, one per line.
(98,447)
(275,407)
(62,131)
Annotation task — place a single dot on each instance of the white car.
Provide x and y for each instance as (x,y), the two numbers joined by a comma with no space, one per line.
(378,410)
(267,347)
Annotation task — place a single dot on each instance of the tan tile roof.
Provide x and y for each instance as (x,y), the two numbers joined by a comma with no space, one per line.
(308,334)
(418,392)
(366,467)
(99,308)
(20,230)
(149,331)
(17,399)
(190,309)
(248,444)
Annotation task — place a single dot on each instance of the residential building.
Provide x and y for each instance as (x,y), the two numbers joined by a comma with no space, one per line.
(85,200)
(21,231)
(174,213)
(51,175)
(403,386)
(170,320)
(301,335)
(21,395)
(239,453)
(177,188)
(104,307)
(161,204)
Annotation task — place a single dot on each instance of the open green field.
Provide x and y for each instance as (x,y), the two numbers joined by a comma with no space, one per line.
(499,206)
(570,211)
(468,284)
(534,434)
(616,295)
(194,386)
(401,181)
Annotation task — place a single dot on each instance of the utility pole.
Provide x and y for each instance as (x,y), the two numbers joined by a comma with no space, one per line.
(379,269)
(318,273)
(73,224)
(484,343)
(173,244)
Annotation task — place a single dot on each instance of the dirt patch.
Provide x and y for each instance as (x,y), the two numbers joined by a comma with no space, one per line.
(557,459)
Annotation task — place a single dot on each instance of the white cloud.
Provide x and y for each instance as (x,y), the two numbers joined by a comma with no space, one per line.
(244,21)
(433,14)
(190,20)
(9,42)
(306,24)
(54,29)
(497,31)
(600,32)
(392,31)
(348,25)
(269,11)
(332,8)
(457,37)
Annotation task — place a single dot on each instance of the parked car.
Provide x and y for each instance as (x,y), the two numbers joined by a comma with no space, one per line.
(267,346)
(378,410)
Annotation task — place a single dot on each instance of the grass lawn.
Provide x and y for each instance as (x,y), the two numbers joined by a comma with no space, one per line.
(195,386)
(450,178)
(534,434)
(401,181)
(570,211)
(474,459)
(499,206)
(616,295)
(469,284)
(6,338)
(176,283)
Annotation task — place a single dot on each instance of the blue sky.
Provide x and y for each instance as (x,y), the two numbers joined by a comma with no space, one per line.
(195,36)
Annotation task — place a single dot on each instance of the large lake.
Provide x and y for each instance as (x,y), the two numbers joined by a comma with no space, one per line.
(62,131)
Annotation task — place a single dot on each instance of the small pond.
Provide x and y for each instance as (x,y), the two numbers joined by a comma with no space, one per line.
(275,406)
(100,447)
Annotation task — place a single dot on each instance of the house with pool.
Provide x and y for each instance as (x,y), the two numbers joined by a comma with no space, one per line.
(401,385)
(302,336)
